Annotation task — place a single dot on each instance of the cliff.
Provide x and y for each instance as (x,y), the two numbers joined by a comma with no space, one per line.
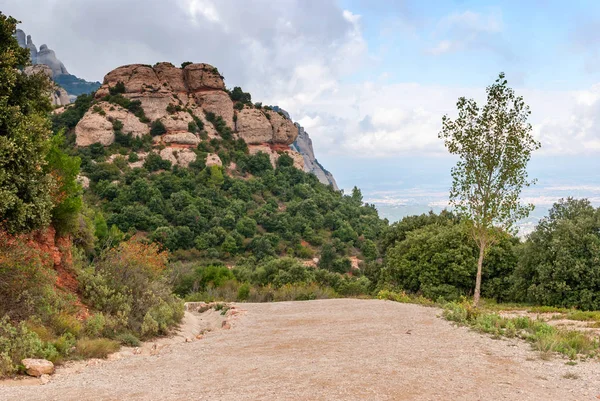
(181,107)
(58,95)
(303,145)
(73,85)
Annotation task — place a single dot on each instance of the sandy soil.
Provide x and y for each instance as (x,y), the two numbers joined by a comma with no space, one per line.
(340,349)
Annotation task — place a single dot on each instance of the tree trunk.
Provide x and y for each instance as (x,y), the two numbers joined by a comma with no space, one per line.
(477,295)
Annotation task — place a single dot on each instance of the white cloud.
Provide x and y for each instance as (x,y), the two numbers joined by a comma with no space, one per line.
(299,55)
(466,30)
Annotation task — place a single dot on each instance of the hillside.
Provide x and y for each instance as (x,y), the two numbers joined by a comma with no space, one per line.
(169,154)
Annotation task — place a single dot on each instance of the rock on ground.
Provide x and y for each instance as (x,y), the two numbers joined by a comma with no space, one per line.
(38,367)
(342,349)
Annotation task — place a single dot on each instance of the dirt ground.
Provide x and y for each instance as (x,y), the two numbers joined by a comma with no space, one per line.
(341,349)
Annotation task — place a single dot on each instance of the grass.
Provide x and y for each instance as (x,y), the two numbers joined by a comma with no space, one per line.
(543,337)
(95,348)
(405,298)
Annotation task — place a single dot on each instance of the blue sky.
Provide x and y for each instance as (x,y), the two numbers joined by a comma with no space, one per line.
(369,80)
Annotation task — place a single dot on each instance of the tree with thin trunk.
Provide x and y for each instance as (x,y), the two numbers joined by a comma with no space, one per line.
(494,145)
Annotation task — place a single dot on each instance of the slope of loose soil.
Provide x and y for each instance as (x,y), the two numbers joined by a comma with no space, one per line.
(341,349)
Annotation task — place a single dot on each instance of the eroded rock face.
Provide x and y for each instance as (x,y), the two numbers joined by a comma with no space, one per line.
(182,138)
(217,102)
(284,130)
(95,126)
(202,77)
(274,154)
(213,160)
(253,126)
(178,156)
(180,99)
(58,96)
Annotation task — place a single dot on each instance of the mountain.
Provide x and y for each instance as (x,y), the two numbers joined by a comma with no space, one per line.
(45,56)
(303,145)
(170,155)
(179,106)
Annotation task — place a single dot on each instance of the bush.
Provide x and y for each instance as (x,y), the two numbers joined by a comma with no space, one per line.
(18,342)
(128,339)
(157,128)
(95,348)
(128,285)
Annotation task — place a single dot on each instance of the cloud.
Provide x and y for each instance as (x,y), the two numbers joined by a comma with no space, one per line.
(301,55)
(469,30)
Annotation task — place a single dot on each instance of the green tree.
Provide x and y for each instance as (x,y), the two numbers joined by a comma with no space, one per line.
(559,262)
(494,145)
(25,188)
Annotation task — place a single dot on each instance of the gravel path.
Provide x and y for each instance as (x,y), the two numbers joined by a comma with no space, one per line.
(341,349)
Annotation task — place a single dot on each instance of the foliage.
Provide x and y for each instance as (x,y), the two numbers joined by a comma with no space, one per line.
(127,283)
(543,337)
(67,197)
(436,257)
(25,188)
(494,145)
(157,128)
(96,348)
(559,264)
(18,342)
(238,95)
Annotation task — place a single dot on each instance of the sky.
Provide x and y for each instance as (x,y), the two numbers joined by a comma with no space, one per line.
(369,79)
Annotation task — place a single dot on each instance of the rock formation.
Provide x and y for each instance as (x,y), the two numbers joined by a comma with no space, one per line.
(44,56)
(182,99)
(73,85)
(303,145)
(58,96)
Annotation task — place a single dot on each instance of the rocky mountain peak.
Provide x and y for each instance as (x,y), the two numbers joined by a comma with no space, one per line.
(181,100)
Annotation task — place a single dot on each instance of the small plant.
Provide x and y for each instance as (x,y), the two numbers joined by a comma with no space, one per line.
(118,89)
(157,128)
(95,348)
(185,64)
(571,376)
(128,339)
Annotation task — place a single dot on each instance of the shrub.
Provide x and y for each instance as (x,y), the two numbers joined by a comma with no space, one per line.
(128,285)
(154,162)
(157,128)
(119,88)
(185,64)
(18,342)
(128,339)
(96,348)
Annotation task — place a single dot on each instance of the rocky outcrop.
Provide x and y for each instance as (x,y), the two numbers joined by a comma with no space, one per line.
(213,160)
(97,125)
(257,126)
(303,145)
(178,156)
(58,96)
(183,100)
(274,153)
(73,85)
(45,55)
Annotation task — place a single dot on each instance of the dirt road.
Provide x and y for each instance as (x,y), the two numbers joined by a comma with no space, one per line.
(340,349)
